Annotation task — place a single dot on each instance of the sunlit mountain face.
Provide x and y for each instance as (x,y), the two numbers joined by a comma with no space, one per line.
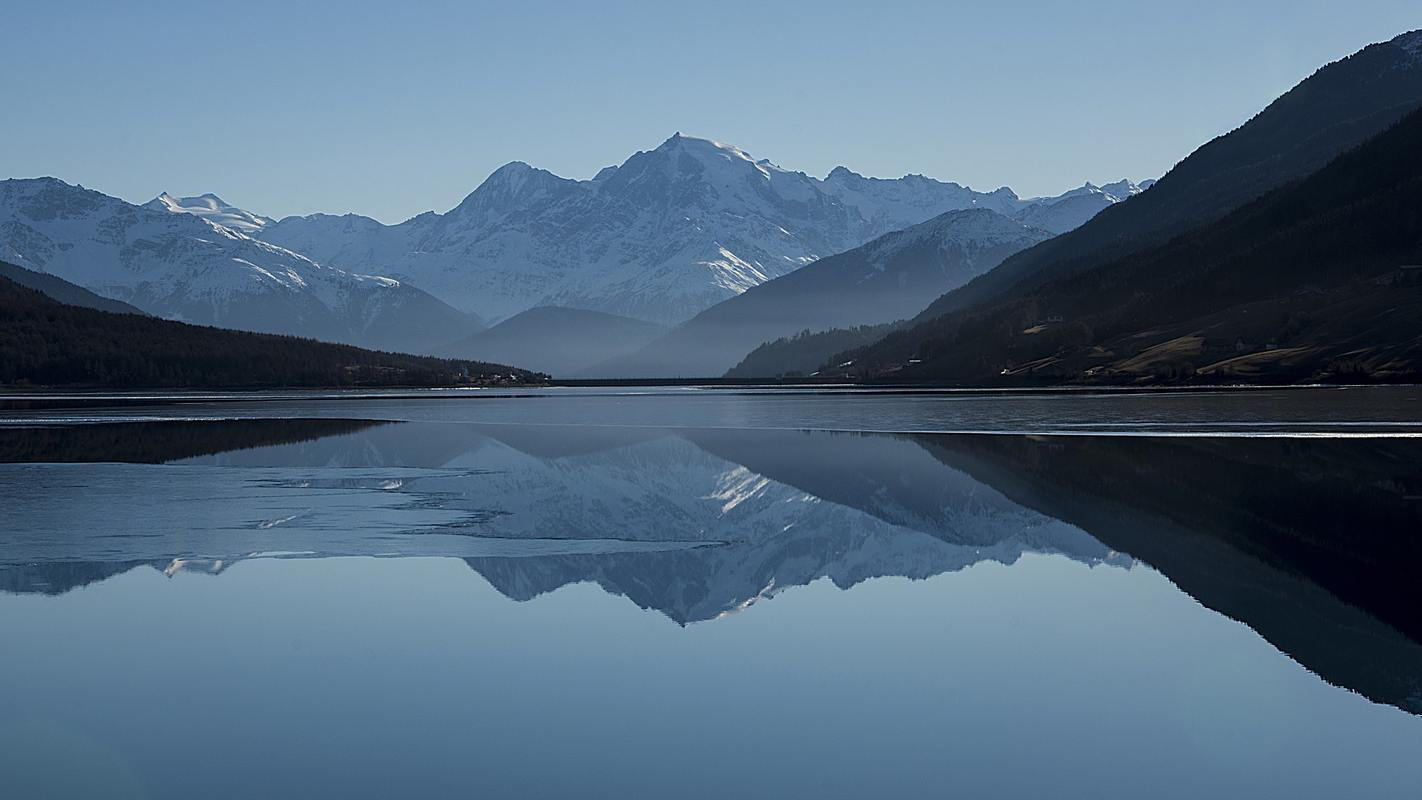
(701,524)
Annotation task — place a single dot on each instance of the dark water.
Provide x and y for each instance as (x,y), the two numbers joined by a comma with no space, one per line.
(711,594)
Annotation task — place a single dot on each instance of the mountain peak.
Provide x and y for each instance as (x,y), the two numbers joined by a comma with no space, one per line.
(510,177)
(514,185)
(697,146)
(206,200)
(1122,189)
(512,168)
(212,208)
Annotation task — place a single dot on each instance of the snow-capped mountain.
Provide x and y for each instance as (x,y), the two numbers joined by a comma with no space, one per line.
(892,277)
(187,266)
(211,208)
(666,234)
(669,232)
(890,205)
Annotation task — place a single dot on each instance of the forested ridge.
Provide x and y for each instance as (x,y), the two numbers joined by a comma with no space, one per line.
(1317,280)
(44,343)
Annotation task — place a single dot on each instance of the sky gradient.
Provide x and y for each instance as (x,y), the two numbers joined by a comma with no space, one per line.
(389,111)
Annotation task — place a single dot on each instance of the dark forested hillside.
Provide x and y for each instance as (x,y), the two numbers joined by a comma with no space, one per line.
(44,343)
(1335,109)
(1321,279)
(802,354)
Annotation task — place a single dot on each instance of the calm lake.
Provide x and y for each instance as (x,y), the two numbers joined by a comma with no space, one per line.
(712,593)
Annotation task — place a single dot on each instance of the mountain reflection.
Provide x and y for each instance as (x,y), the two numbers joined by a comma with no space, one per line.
(1309,542)
(159,442)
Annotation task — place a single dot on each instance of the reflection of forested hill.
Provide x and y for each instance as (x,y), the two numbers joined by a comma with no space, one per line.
(59,577)
(159,442)
(1313,543)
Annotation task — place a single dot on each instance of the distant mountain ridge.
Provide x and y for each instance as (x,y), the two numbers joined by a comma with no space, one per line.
(661,237)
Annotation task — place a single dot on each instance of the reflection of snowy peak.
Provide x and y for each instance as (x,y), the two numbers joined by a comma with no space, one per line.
(182,262)
(664,235)
(847,522)
(691,523)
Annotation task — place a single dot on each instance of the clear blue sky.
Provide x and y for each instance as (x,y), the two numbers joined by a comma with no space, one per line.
(394,108)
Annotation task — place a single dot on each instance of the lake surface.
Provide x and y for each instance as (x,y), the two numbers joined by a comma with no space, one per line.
(708,593)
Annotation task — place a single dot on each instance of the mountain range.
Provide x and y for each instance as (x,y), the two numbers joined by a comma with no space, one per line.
(658,238)
(191,268)
(664,235)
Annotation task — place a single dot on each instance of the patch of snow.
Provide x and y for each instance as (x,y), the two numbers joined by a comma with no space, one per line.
(213,209)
